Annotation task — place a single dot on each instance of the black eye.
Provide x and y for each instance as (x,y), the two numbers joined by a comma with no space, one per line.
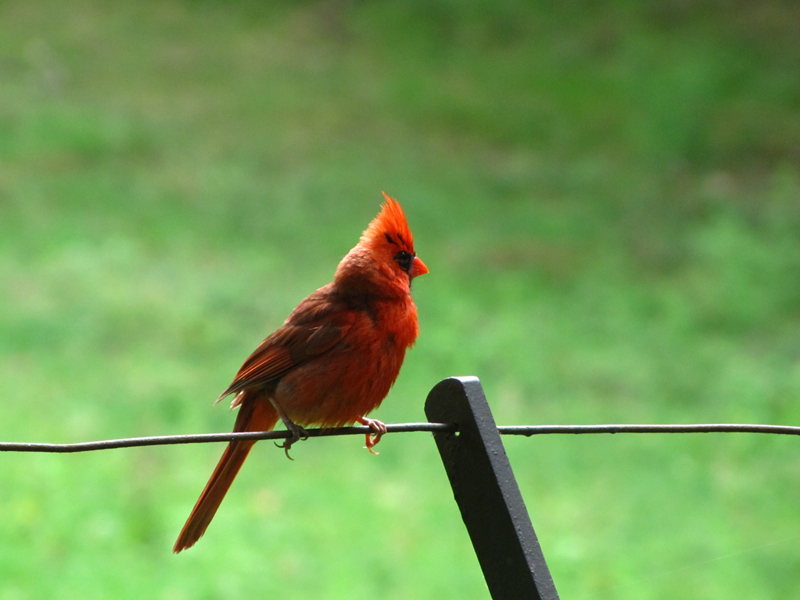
(404,259)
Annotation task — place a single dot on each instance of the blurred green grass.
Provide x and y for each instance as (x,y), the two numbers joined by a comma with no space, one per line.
(607,198)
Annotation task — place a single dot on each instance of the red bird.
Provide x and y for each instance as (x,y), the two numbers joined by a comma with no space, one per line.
(333,360)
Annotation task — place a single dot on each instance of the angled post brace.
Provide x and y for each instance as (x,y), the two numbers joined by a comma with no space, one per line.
(487,493)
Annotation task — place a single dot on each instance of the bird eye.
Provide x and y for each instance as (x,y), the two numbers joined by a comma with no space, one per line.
(404,259)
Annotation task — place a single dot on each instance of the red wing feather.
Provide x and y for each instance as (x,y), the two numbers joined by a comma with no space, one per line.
(297,342)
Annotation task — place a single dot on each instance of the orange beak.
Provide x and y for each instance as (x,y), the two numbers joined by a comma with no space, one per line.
(417,268)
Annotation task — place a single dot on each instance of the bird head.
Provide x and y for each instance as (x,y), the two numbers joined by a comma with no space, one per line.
(385,251)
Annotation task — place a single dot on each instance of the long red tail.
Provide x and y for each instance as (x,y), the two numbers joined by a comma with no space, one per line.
(256,415)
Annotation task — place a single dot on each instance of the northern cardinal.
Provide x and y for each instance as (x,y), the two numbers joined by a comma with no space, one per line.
(333,360)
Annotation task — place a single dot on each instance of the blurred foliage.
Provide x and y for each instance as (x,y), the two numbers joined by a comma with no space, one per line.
(606,195)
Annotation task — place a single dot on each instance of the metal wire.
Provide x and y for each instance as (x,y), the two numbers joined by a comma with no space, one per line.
(526,430)
(204,438)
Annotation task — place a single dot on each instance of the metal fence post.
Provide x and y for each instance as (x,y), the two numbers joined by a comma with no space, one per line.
(487,493)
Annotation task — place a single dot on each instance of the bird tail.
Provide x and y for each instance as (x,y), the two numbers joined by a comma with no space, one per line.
(256,415)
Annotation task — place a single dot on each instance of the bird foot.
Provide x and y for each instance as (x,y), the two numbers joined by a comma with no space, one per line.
(373,438)
(298,434)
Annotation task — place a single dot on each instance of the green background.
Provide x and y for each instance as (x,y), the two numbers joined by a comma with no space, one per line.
(606,197)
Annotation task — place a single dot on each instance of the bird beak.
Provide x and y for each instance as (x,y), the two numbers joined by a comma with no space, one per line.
(417,268)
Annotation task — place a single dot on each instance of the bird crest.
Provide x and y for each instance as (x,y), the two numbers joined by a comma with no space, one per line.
(389,226)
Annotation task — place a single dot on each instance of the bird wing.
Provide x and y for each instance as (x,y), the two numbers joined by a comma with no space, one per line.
(315,326)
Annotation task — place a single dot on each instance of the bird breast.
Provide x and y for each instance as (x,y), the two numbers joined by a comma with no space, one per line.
(353,377)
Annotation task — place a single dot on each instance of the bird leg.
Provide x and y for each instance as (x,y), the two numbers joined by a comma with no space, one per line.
(298,433)
(373,438)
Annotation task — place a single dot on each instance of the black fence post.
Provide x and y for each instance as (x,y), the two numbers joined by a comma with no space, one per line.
(487,493)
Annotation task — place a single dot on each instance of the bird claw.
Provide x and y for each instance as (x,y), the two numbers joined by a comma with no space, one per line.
(373,438)
(298,434)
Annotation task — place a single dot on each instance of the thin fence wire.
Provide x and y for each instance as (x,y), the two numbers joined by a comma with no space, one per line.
(526,430)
